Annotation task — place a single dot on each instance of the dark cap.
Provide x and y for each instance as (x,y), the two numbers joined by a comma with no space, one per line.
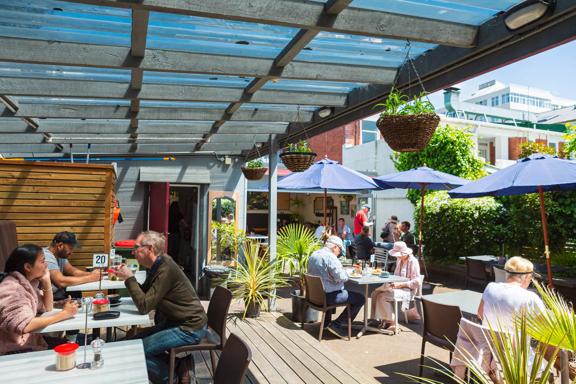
(66,238)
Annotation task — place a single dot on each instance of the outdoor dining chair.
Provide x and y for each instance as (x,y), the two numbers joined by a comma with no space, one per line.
(215,338)
(398,302)
(441,324)
(234,362)
(476,272)
(381,257)
(316,299)
(499,274)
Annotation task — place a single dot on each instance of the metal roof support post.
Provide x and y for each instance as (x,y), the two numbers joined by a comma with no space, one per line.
(272,205)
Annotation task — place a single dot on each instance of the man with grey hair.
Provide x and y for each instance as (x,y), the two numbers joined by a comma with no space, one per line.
(325,264)
(180,318)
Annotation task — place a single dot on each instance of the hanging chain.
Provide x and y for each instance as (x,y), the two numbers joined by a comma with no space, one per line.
(411,67)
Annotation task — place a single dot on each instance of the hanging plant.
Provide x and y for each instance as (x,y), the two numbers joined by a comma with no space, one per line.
(254,170)
(298,157)
(407,125)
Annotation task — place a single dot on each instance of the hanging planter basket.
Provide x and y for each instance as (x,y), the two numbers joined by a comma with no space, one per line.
(254,173)
(298,161)
(408,133)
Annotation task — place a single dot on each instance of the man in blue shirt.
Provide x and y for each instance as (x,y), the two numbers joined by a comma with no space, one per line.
(324,263)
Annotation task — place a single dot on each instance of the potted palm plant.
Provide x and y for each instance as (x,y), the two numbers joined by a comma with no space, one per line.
(255,278)
(254,169)
(295,244)
(407,125)
(298,157)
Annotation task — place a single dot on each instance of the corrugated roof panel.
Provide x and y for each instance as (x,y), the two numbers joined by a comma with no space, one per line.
(63,72)
(194,79)
(311,86)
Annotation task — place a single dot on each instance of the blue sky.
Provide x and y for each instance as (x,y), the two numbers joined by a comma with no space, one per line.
(551,70)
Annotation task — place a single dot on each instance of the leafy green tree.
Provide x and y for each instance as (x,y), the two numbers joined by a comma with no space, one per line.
(529,147)
(570,136)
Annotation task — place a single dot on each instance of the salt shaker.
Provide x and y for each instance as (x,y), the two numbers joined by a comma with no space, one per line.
(97,359)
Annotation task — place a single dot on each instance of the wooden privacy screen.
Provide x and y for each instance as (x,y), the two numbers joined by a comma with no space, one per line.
(46,198)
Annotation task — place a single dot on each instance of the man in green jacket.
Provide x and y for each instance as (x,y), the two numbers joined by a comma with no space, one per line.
(180,318)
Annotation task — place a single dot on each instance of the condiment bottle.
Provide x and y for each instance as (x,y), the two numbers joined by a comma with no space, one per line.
(97,359)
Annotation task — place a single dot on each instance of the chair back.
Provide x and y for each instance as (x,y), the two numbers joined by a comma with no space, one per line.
(233,362)
(381,256)
(499,274)
(476,269)
(440,320)
(8,241)
(218,312)
(315,290)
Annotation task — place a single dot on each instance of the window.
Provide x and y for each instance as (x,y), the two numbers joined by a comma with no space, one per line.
(506,98)
(553,146)
(494,101)
(529,100)
(369,131)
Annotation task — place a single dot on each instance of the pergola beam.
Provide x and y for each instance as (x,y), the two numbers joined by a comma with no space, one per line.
(74,111)
(120,148)
(104,56)
(102,89)
(310,15)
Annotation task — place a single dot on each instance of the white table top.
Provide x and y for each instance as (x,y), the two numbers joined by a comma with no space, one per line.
(106,284)
(468,301)
(124,362)
(376,279)
(484,258)
(129,315)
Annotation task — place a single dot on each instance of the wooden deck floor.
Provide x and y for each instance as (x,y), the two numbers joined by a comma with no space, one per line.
(283,353)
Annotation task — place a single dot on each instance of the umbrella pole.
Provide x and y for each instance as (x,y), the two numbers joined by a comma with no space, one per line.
(422,192)
(325,208)
(545,231)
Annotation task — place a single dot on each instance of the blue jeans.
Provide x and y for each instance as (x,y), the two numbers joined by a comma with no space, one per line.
(157,340)
(355,299)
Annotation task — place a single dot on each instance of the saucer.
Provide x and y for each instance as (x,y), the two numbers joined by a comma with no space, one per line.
(115,304)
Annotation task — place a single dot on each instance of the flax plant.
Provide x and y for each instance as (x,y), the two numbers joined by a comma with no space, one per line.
(256,278)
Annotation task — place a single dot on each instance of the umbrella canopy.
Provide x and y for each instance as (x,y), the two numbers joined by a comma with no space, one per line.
(526,176)
(421,178)
(327,174)
(536,173)
(418,178)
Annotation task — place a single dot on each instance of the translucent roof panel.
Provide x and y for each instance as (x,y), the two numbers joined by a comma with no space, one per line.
(311,86)
(280,107)
(193,79)
(215,36)
(63,21)
(63,72)
(359,50)
(472,12)
(183,104)
(72,101)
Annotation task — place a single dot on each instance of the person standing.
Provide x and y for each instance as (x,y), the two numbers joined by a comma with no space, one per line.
(361,219)
(180,318)
(407,236)
(343,231)
(390,233)
(325,264)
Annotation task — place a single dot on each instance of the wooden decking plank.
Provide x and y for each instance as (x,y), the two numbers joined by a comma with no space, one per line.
(301,352)
(265,372)
(201,370)
(298,334)
(295,365)
(335,358)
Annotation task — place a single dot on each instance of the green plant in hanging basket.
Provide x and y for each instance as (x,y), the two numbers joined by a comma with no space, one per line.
(254,169)
(407,125)
(298,157)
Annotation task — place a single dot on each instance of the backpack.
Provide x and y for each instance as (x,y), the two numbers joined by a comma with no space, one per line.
(385,232)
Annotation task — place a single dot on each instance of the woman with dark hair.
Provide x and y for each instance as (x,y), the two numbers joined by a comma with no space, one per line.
(25,293)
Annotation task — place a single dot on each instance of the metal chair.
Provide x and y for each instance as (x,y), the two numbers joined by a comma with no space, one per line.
(499,274)
(234,362)
(441,324)
(381,257)
(316,299)
(215,338)
(405,313)
(476,272)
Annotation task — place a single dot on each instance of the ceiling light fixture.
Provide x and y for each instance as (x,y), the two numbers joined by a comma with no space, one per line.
(526,13)
(325,112)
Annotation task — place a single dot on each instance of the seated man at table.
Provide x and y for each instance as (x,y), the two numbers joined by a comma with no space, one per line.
(62,273)
(25,293)
(364,245)
(324,263)
(180,318)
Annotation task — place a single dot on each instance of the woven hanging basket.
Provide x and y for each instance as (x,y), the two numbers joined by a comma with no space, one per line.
(254,173)
(408,133)
(298,161)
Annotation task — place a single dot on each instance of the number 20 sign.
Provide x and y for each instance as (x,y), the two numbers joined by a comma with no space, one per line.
(100,260)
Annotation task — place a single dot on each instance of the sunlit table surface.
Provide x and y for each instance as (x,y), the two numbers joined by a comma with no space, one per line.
(468,301)
(106,284)
(129,316)
(124,362)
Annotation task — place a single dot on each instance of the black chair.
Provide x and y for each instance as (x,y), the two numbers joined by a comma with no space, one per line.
(476,272)
(441,325)
(234,362)
(316,299)
(215,336)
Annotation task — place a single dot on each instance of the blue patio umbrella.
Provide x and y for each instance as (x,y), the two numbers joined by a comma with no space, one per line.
(327,174)
(536,173)
(422,178)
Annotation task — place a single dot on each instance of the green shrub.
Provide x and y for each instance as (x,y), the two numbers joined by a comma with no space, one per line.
(460,227)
